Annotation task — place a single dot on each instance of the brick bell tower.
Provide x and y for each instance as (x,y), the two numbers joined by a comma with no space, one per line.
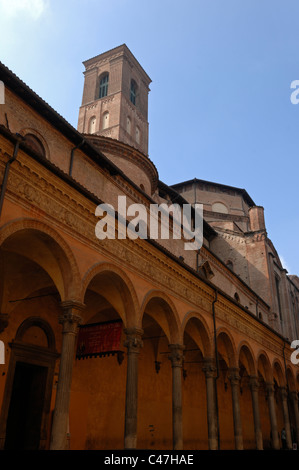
(115,98)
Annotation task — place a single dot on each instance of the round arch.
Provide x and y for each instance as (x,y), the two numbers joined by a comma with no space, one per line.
(48,249)
(264,366)
(195,325)
(30,131)
(226,347)
(278,373)
(246,356)
(39,323)
(156,302)
(122,295)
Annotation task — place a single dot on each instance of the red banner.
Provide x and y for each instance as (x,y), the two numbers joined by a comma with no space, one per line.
(99,339)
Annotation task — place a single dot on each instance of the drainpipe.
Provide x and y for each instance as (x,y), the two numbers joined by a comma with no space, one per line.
(6,172)
(217,365)
(72,156)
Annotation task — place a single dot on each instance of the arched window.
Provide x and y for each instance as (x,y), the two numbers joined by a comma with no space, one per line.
(133,92)
(104,85)
(35,144)
(92,125)
(219,207)
(105,120)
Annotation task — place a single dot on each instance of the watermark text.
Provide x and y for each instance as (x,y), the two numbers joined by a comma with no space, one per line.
(160,221)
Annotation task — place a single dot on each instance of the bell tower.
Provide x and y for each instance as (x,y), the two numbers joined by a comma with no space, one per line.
(115,98)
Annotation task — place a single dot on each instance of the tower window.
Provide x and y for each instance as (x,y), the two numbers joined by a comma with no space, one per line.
(104,85)
(92,125)
(133,92)
(105,123)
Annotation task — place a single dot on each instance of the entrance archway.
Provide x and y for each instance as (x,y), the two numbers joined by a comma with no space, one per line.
(25,417)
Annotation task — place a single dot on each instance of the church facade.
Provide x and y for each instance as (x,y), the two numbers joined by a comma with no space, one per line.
(126,342)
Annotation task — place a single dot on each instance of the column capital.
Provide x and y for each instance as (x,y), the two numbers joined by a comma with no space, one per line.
(133,339)
(209,368)
(233,375)
(70,317)
(283,393)
(176,354)
(254,383)
(270,388)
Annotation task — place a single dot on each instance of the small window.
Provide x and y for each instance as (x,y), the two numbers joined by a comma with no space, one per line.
(128,125)
(105,123)
(133,92)
(35,144)
(104,85)
(237,297)
(92,125)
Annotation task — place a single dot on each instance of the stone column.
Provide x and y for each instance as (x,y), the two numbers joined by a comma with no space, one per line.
(133,343)
(286,418)
(70,320)
(254,387)
(176,357)
(294,400)
(272,413)
(209,370)
(234,381)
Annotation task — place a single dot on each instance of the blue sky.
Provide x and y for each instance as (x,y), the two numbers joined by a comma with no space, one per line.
(221,70)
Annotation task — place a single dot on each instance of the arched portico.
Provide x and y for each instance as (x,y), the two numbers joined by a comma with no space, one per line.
(199,405)
(162,340)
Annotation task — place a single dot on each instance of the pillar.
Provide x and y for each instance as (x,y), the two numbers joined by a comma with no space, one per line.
(234,381)
(272,413)
(254,387)
(209,371)
(133,344)
(286,418)
(294,400)
(70,320)
(176,357)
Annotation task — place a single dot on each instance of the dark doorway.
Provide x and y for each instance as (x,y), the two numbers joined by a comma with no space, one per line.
(26,407)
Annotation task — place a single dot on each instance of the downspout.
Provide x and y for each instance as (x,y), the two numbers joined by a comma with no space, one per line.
(72,156)
(217,366)
(6,172)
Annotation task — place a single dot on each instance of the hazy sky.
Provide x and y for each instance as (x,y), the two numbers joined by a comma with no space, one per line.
(221,70)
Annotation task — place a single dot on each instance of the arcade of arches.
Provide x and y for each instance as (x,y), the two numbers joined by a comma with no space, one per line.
(183,378)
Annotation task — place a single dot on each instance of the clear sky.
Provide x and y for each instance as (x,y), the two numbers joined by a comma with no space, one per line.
(221,70)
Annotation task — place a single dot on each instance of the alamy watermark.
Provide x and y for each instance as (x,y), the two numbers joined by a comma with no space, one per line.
(161,221)
(295,354)
(295,94)
(2,93)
